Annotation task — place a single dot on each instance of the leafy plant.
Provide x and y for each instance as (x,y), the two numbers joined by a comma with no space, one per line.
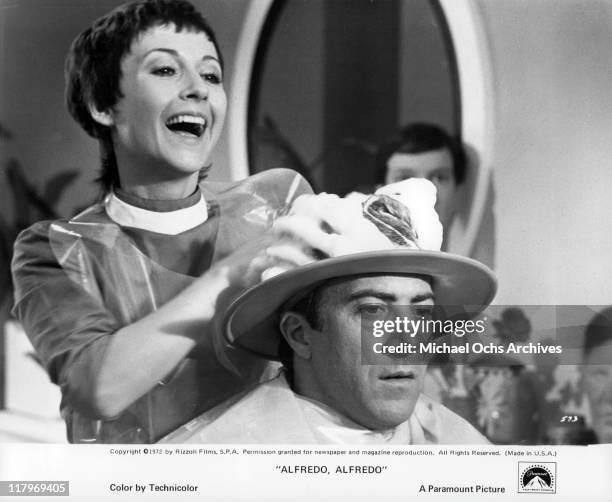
(29,206)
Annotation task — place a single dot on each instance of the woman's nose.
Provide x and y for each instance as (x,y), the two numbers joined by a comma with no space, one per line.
(194,87)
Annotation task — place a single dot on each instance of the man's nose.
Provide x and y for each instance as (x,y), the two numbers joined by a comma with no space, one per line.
(194,86)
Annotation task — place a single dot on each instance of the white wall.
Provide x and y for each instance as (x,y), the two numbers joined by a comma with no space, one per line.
(552,64)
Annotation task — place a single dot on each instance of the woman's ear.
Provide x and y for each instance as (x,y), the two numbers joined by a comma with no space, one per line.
(297,331)
(102,117)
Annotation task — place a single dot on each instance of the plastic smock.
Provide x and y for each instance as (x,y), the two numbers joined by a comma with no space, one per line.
(77,282)
(272,413)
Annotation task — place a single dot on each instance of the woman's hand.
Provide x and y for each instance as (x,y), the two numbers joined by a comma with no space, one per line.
(245,266)
(326,225)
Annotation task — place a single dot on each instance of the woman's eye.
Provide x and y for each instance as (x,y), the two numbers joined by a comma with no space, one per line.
(213,78)
(164,71)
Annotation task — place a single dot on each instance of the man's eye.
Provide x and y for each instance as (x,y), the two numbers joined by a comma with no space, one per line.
(373,309)
(164,71)
(440,179)
(424,311)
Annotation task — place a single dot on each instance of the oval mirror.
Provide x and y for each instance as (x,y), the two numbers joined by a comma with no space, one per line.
(321,85)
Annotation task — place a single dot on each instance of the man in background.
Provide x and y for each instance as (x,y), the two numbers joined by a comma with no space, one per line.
(597,373)
(423,150)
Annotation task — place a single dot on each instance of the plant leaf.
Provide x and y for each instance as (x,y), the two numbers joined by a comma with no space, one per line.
(29,206)
(5,133)
(57,184)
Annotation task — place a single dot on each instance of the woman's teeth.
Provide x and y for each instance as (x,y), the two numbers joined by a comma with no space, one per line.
(187,124)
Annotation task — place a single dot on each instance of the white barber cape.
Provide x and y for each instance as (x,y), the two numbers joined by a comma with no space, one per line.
(272,413)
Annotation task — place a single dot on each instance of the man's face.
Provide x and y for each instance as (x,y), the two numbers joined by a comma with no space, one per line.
(597,379)
(173,105)
(435,166)
(377,397)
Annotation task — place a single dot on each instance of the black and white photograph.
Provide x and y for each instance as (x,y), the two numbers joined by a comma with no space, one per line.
(293,249)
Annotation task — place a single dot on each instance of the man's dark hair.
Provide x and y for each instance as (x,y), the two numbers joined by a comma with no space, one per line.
(93,65)
(598,332)
(419,138)
(308,306)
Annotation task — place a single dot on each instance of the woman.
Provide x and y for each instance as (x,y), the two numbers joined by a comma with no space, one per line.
(121,302)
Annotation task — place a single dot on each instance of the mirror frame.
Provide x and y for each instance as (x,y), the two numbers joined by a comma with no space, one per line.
(475,90)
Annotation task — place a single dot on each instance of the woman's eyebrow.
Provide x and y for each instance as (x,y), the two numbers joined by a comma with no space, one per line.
(174,53)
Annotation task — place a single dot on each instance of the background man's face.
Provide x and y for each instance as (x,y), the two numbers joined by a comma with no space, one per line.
(376,397)
(435,166)
(598,387)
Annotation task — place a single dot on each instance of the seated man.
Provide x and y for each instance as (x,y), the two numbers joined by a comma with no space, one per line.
(380,253)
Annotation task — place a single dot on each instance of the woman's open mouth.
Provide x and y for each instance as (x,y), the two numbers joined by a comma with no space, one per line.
(191,126)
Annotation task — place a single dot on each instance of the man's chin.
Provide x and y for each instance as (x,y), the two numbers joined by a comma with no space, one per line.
(388,416)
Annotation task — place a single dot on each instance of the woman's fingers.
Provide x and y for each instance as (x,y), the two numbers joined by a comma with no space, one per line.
(361,236)
(291,253)
(308,231)
(284,256)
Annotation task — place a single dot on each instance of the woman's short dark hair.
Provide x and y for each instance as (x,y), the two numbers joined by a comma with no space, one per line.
(420,137)
(93,65)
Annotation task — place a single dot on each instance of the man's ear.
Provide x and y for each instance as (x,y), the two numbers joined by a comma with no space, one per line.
(102,117)
(297,331)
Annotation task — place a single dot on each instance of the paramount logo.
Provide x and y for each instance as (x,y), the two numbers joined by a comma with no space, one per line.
(537,477)
(537,483)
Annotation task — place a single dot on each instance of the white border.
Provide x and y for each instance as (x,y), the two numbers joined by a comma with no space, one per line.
(476,91)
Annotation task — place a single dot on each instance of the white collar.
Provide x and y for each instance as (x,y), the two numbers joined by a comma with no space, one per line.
(169,222)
